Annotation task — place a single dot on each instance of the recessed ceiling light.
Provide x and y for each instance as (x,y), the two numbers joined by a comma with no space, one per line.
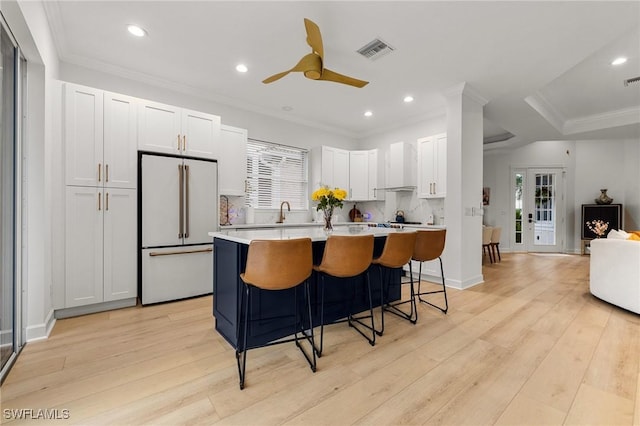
(242,68)
(619,61)
(368,113)
(136,30)
(408,99)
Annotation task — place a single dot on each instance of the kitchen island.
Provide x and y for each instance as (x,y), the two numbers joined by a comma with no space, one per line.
(273,311)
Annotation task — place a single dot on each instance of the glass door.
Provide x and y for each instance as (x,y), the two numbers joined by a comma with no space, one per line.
(543,219)
(8,120)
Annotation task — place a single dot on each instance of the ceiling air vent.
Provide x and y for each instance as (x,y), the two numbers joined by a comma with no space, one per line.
(629,81)
(375,49)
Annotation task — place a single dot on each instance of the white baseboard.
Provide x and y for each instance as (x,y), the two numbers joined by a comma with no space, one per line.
(41,331)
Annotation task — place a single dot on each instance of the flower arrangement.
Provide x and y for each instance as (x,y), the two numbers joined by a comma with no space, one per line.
(328,199)
(598,227)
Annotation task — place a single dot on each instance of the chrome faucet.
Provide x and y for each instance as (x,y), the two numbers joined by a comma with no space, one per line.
(281,220)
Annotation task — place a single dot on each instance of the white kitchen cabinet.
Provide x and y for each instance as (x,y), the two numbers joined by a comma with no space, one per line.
(402,166)
(100,248)
(432,166)
(358,176)
(376,176)
(335,168)
(99,137)
(232,161)
(172,130)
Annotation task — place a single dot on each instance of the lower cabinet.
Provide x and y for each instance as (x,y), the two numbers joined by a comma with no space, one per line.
(100,245)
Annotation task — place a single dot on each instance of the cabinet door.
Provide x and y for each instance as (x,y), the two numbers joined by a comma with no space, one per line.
(201,133)
(232,161)
(201,201)
(376,168)
(120,141)
(83,135)
(358,175)
(120,244)
(440,188)
(335,168)
(83,246)
(159,128)
(426,172)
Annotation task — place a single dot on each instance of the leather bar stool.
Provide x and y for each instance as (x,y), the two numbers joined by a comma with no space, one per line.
(397,252)
(274,265)
(429,246)
(347,257)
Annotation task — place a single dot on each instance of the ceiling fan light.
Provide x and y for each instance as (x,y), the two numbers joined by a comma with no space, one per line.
(619,61)
(136,30)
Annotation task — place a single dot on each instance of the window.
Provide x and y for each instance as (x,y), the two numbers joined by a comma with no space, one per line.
(276,173)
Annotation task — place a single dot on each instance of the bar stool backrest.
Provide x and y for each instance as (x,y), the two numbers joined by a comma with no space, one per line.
(346,256)
(397,250)
(429,245)
(278,264)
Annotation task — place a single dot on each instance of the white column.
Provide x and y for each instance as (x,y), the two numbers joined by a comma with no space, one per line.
(463,203)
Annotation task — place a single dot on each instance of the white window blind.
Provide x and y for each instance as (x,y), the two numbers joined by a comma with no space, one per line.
(276,173)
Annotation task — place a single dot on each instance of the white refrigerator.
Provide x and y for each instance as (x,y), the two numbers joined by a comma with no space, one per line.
(178,208)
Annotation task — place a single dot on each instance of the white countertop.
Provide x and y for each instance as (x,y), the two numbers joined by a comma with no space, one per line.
(316,233)
(316,224)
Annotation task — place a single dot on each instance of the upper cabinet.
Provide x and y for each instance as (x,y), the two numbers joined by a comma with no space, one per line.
(173,130)
(99,138)
(335,168)
(432,166)
(358,175)
(402,165)
(232,161)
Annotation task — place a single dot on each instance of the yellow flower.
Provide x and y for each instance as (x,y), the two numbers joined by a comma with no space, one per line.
(340,194)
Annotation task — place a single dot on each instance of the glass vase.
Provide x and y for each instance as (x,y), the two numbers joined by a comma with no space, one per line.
(328,226)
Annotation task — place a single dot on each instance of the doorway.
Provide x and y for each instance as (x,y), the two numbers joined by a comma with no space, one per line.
(538,210)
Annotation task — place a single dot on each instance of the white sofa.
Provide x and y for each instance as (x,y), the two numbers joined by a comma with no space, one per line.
(615,272)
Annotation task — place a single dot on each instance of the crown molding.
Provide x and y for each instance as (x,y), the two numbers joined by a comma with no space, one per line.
(543,107)
(465,89)
(605,120)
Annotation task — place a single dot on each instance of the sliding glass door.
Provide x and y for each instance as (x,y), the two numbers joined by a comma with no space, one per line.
(8,142)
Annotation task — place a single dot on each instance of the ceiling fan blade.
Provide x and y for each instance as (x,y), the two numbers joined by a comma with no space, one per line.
(329,75)
(314,39)
(310,65)
(275,77)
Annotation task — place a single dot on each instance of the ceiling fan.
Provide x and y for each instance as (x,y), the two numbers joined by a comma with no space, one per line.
(312,64)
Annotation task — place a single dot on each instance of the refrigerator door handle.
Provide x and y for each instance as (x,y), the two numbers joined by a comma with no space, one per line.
(181,201)
(172,253)
(186,201)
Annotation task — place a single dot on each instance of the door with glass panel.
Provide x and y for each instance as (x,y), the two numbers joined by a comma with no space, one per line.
(8,54)
(538,210)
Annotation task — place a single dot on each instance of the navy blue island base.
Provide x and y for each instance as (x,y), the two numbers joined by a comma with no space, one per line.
(272,312)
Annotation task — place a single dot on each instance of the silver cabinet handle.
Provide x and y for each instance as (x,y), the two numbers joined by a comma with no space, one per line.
(179,143)
(180,201)
(171,253)
(184,142)
(186,200)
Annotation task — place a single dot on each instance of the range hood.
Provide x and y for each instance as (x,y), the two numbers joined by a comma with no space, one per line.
(407,188)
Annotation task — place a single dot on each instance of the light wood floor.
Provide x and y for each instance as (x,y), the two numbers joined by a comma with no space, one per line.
(529,346)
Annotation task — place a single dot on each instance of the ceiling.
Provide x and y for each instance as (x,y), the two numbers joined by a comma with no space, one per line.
(544,66)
